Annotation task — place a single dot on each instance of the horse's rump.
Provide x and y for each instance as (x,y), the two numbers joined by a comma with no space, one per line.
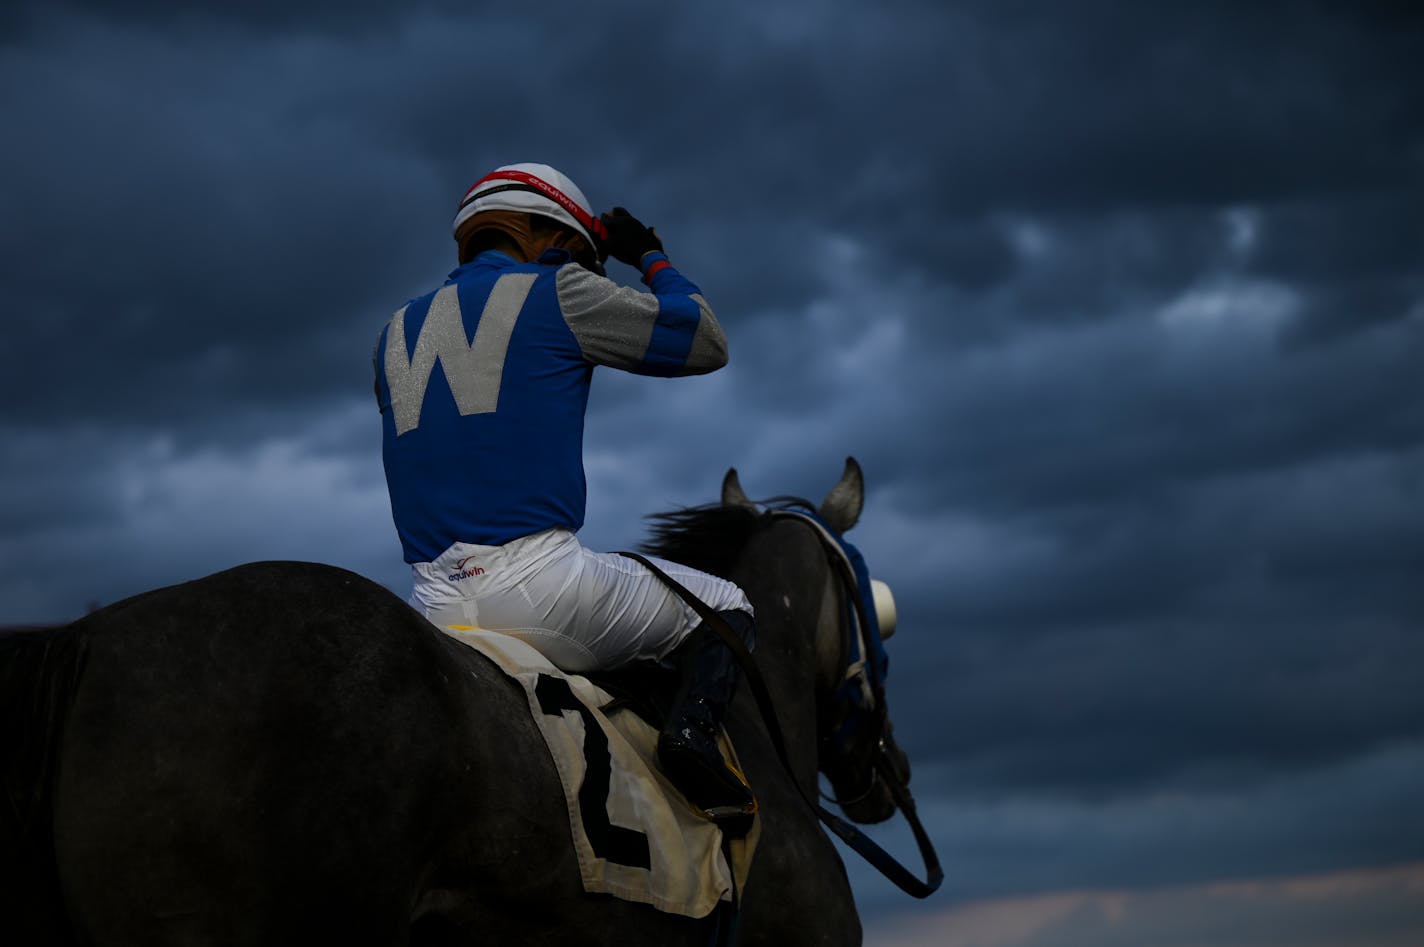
(284,750)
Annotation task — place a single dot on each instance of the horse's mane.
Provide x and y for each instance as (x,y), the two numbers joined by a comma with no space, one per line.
(711,537)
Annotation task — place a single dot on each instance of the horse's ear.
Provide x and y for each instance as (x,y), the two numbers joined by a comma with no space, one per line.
(841,507)
(732,493)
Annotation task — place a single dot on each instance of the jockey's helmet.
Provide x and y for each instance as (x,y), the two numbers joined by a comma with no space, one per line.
(534,189)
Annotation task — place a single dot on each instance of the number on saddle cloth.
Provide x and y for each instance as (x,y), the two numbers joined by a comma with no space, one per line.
(609,841)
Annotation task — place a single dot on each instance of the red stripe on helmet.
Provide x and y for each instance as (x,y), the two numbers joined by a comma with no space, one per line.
(593,226)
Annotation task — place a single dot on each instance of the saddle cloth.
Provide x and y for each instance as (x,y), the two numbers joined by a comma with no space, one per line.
(635,835)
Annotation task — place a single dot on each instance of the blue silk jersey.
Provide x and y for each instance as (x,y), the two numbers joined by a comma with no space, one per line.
(483,384)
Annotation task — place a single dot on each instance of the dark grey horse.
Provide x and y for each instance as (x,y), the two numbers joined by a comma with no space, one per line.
(285,753)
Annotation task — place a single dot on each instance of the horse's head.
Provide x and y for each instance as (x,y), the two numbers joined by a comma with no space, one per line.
(857,750)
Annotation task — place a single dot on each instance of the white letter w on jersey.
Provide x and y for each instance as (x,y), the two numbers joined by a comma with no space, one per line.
(474,371)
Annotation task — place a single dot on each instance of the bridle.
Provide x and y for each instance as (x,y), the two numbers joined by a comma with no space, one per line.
(842,566)
(857,714)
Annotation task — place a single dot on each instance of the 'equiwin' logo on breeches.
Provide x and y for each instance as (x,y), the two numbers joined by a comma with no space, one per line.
(465,569)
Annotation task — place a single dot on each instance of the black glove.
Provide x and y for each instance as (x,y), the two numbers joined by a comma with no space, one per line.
(627,238)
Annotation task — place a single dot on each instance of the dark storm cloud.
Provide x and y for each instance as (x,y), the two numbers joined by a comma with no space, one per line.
(1159,707)
(1204,563)
(260,16)
(1273,829)
(1129,409)
(218,242)
(268,174)
(1178,662)
(1359,258)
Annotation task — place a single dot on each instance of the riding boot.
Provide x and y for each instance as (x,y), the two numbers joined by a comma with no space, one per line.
(687,746)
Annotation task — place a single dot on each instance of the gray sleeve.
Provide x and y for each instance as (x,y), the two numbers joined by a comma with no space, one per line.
(640,332)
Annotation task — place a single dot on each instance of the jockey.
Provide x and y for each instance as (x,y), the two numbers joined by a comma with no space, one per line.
(483,384)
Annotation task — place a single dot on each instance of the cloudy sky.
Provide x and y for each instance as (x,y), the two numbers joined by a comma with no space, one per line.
(1120,306)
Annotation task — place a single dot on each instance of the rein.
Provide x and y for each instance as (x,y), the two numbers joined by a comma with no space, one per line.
(857,840)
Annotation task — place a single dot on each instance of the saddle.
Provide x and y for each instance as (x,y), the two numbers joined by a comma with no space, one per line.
(644,688)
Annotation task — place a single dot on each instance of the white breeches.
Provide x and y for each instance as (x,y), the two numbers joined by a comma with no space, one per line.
(582,610)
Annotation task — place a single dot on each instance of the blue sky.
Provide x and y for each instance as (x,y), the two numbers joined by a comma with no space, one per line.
(1121,310)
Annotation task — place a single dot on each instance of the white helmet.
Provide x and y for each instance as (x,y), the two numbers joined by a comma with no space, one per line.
(534,189)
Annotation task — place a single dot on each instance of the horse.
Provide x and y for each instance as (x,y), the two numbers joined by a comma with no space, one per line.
(286,752)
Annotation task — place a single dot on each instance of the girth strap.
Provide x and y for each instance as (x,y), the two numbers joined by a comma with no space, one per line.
(882,860)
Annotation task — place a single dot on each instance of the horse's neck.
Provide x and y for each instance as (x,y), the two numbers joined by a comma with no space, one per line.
(797,647)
